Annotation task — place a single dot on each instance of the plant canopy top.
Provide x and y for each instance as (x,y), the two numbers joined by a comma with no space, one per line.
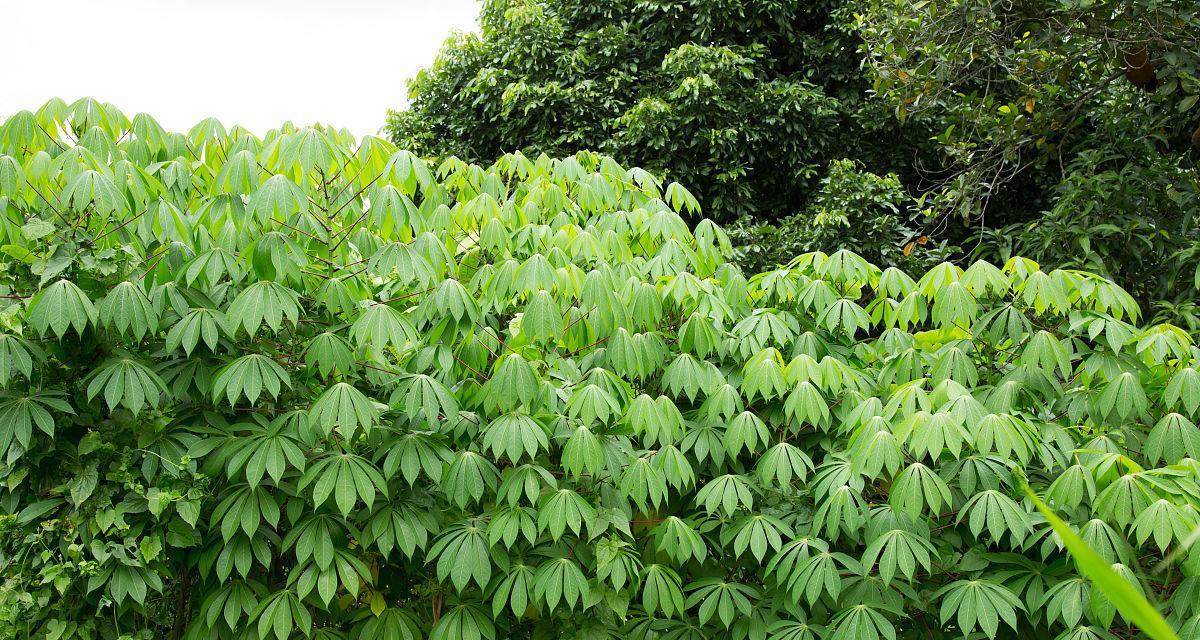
(311,386)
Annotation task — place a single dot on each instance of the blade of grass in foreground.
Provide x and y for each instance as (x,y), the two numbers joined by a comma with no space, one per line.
(1132,605)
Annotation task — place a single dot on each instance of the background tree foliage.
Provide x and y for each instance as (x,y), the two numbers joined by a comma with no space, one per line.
(307,386)
(746,101)
(1069,130)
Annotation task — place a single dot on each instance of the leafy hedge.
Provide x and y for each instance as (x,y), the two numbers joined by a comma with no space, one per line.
(307,386)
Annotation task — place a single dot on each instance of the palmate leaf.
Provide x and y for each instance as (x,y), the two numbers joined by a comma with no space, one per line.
(583,453)
(403,527)
(60,307)
(279,613)
(243,510)
(784,462)
(91,189)
(126,382)
(268,451)
(725,494)
(379,326)
(591,404)
(617,562)
(313,539)
(560,580)
(127,309)
(643,483)
(344,408)
(675,468)
(415,453)
(1184,390)
(278,198)
(462,555)
(19,414)
(514,592)
(17,355)
(861,622)
(525,482)
(512,523)
(467,477)
(231,603)
(542,321)
(1122,397)
(679,540)
(1164,521)
(424,396)
(1172,438)
(919,490)
(1071,487)
(661,590)
(464,622)
(248,377)
(126,582)
(346,571)
(513,383)
(564,509)
(347,479)
(656,420)
(820,574)
(262,302)
(392,623)
(725,600)
(1132,604)
(756,533)
(899,549)
(979,603)
(998,513)
(328,352)
(196,325)
(792,630)
(515,435)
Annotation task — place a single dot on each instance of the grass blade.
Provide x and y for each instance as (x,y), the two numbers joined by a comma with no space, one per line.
(1132,605)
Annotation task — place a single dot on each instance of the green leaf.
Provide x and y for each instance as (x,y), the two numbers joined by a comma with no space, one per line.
(263,302)
(59,307)
(248,376)
(1127,599)
(127,310)
(126,382)
(344,408)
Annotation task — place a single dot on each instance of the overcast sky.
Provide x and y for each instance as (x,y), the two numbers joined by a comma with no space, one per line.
(251,62)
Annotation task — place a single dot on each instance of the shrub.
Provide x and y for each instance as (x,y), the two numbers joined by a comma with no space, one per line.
(307,386)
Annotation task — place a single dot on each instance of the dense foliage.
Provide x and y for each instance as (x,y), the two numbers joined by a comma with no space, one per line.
(1062,131)
(746,102)
(310,386)
(855,209)
(1069,130)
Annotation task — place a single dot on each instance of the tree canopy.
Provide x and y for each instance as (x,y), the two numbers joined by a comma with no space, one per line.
(746,102)
(1068,130)
(311,386)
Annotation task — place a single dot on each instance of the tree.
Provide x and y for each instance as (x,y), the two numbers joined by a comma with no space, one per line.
(311,386)
(747,102)
(1069,130)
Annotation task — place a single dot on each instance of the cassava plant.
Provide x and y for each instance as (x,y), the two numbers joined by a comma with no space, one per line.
(308,386)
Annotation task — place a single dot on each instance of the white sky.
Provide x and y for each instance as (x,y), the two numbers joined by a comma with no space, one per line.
(252,62)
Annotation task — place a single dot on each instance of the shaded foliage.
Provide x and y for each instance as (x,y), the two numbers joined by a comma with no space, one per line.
(1069,130)
(746,102)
